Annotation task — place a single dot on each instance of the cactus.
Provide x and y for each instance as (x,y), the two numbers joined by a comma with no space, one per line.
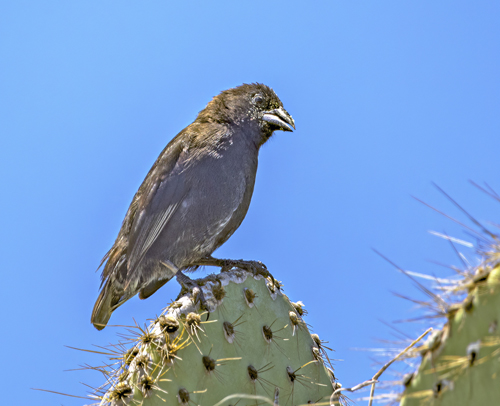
(461,362)
(251,347)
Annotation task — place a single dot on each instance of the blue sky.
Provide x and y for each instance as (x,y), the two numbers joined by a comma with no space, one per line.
(387,96)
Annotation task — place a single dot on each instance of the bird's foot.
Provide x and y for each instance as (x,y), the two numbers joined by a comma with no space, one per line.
(189,285)
(254,267)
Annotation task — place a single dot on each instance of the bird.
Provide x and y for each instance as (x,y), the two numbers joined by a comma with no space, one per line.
(193,199)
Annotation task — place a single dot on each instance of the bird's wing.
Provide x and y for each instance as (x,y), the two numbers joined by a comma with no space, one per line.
(165,193)
(148,229)
(115,279)
(127,239)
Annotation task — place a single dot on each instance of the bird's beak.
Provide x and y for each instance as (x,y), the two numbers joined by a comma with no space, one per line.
(280,118)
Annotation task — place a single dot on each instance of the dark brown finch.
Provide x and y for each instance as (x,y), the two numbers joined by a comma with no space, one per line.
(193,199)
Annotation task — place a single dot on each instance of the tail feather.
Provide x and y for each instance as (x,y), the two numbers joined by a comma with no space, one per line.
(151,288)
(119,286)
(109,299)
(168,271)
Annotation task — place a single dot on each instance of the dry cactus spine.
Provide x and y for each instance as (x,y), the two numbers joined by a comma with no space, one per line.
(255,345)
(460,364)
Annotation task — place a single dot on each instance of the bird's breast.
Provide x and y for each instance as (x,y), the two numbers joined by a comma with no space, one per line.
(219,198)
(209,197)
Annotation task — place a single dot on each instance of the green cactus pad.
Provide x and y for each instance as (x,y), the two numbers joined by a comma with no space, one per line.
(254,344)
(461,363)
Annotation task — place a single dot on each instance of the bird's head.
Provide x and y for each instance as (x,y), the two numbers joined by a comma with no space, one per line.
(255,104)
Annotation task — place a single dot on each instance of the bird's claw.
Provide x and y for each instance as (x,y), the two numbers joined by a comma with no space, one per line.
(254,267)
(188,285)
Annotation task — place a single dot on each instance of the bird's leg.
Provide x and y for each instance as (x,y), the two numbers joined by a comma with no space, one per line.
(255,267)
(191,286)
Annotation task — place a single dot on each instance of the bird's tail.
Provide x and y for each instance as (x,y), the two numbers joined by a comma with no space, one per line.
(120,286)
(109,299)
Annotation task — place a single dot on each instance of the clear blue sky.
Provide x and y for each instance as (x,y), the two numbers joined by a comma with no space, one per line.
(388,97)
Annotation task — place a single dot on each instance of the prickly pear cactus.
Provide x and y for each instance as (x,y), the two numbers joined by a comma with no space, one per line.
(461,362)
(252,347)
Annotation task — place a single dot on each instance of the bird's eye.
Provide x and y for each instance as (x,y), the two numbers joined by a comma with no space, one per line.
(257,99)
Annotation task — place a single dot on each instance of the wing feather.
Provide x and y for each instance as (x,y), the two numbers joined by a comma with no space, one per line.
(165,164)
(149,232)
